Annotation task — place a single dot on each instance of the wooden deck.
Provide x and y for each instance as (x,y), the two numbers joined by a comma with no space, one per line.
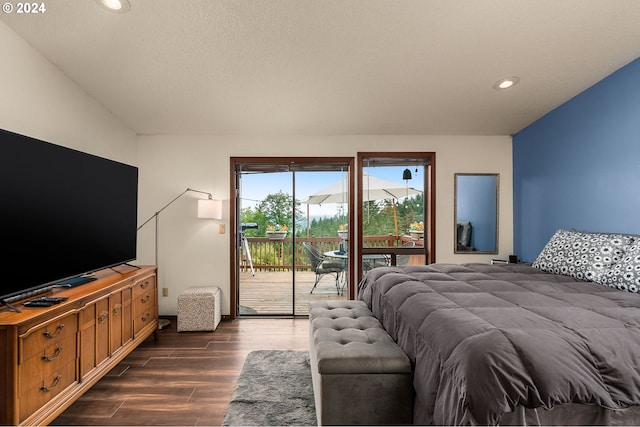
(271,292)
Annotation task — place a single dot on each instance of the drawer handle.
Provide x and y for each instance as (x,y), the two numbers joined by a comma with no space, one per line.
(144,299)
(144,285)
(52,386)
(50,335)
(103,317)
(117,309)
(146,316)
(55,356)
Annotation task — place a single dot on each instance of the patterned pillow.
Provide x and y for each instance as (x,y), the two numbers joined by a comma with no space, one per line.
(585,256)
(625,275)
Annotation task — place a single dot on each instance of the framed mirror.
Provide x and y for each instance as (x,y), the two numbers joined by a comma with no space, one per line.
(476,213)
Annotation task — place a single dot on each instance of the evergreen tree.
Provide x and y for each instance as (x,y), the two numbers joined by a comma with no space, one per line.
(377,217)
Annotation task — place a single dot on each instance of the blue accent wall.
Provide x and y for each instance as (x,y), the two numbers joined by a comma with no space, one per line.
(579,165)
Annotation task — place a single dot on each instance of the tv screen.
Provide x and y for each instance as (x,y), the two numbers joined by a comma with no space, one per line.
(64,213)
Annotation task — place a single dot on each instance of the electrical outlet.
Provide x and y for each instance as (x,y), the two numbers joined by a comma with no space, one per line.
(165,292)
(221,228)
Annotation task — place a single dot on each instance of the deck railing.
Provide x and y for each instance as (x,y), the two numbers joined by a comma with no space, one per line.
(277,255)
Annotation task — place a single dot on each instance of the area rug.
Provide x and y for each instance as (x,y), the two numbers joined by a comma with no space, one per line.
(274,389)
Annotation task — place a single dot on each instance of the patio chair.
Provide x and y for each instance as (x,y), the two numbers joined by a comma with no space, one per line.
(323,267)
(369,262)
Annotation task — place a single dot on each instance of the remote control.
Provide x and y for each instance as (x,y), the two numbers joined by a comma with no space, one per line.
(38,304)
(54,300)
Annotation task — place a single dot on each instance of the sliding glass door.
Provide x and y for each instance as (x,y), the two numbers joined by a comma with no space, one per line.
(291,223)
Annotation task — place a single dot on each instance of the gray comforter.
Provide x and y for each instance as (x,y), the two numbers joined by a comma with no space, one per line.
(486,340)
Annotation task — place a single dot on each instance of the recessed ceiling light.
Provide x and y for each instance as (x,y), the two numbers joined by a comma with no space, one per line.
(506,83)
(120,6)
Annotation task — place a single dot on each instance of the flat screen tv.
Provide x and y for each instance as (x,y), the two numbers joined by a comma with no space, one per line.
(63,214)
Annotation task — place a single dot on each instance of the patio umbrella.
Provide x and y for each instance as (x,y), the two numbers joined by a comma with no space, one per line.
(373,188)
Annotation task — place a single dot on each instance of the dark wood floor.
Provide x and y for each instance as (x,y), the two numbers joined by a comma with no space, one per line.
(183,378)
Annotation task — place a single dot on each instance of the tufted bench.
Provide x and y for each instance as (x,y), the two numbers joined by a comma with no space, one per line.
(360,375)
(199,309)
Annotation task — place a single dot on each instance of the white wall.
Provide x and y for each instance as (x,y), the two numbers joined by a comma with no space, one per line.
(38,100)
(192,253)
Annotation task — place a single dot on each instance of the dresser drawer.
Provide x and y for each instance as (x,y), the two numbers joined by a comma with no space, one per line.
(47,334)
(144,285)
(139,322)
(143,303)
(51,359)
(47,388)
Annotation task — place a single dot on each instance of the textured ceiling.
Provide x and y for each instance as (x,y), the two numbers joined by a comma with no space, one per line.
(334,67)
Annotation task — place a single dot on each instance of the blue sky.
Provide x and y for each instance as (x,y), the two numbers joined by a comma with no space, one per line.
(256,186)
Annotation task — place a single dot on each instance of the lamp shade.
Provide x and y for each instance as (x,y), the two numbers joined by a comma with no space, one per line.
(210,209)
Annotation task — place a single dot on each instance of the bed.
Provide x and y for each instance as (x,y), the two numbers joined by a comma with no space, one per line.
(553,342)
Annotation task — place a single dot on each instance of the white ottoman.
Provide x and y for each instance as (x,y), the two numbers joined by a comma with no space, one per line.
(199,309)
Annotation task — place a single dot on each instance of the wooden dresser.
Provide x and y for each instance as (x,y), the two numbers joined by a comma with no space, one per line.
(49,356)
